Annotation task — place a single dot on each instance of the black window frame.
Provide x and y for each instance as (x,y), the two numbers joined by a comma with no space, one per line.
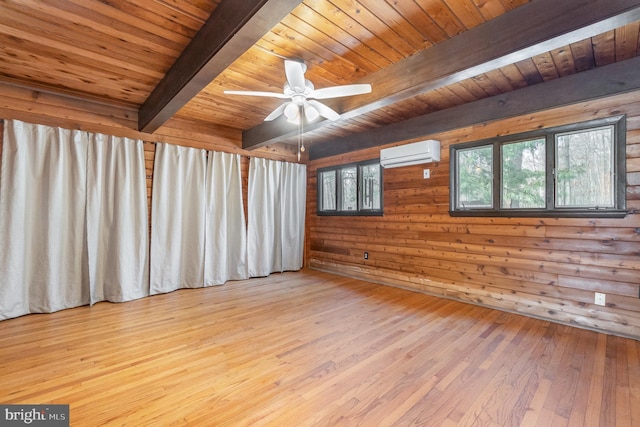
(550,210)
(359,211)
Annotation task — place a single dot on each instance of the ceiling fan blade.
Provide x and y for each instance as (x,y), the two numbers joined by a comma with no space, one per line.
(324,110)
(294,70)
(256,93)
(276,113)
(338,91)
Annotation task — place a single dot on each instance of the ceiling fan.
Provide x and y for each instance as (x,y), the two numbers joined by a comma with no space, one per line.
(303,96)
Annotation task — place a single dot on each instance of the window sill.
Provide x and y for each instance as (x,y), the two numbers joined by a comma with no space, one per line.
(347,213)
(534,213)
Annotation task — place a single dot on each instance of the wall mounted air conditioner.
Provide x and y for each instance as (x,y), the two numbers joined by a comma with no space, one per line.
(410,154)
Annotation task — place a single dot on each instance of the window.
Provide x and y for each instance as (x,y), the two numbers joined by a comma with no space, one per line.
(523,174)
(572,171)
(475,169)
(584,169)
(354,189)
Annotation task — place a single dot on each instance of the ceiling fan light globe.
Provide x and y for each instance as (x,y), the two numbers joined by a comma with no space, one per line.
(311,113)
(292,112)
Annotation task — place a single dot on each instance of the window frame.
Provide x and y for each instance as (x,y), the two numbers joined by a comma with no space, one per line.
(359,211)
(550,210)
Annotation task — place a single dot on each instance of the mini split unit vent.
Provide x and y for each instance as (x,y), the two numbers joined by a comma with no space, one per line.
(410,154)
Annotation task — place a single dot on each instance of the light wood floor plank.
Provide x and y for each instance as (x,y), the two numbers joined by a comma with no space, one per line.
(315,349)
(634,385)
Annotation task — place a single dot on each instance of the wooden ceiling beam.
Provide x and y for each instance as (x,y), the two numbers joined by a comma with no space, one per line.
(233,27)
(529,30)
(610,80)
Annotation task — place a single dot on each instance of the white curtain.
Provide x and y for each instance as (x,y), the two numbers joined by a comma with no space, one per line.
(276,209)
(294,198)
(177,218)
(264,243)
(43,255)
(73,219)
(117,223)
(226,231)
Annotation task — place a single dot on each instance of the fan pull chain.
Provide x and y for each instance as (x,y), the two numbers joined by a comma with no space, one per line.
(300,132)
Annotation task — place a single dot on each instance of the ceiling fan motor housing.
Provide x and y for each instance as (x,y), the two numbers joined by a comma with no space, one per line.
(299,92)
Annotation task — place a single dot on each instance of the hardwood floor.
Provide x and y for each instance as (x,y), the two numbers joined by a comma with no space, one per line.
(314,349)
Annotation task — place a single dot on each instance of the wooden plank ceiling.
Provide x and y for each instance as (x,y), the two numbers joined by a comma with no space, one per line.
(118,52)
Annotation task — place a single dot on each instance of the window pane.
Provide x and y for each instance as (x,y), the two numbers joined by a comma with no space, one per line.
(523,175)
(370,187)
(475,177)
(348,178)
(584,168)
(328,191)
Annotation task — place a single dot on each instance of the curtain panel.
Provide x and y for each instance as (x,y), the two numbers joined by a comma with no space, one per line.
(177,218)
(71,226)
(43,255)
(276,208)
(226,229)
(117,223)
(294,196)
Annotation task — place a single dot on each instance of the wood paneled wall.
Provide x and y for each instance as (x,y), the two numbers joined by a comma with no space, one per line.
(542,267)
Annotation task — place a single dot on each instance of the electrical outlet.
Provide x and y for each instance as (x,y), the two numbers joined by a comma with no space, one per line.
(426,173)
(600,299)
(366,255)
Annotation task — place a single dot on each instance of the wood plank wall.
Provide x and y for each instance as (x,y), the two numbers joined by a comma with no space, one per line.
(542,267)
